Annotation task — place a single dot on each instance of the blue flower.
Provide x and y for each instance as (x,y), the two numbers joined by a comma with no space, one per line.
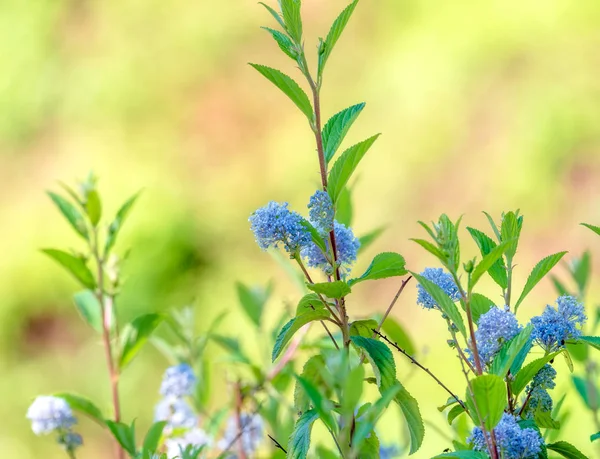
(347,247)
(178,381)
(388,452)
(48,414)
(70,440)
(545,377)
(556,325)
(538,400)
(443,280)
(275,224)
(321,211)
(195,438)
(513,441)
(495,327)
(177,412)
(252,433)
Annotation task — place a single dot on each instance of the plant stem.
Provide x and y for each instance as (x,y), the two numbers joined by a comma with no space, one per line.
(426,370)
(277,444)
(112,370)
(467,301)
(392,304)
(238,417)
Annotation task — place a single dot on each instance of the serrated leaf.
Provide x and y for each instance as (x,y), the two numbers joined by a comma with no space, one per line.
(363,327)
(410,409)
(313,371)
(432,249)
(489,394)
(83,405)
(335,289)
(537,274)
(337,127)
(153,436)
(283,41)
(299,442)
(135,335)
(124,434)
(289,87)
(593,341)
(322,406)
(510,229)
(595,229)
(384,265)
(334,34)
(89,308)
(345,165)
(75,265)
(566,450)
(446,305)
(509,352)
(480,304)
(290,10)
(489,260)
(290,328)
(527,373)
(117,223)
(275,15)
(70,212)
(367,239)
(498,270)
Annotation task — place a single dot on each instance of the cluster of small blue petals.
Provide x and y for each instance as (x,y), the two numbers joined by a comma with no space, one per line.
(252,428)
(195,437)
(321,212)
(545,377)
(177,412)
(70,440)
(556,325)
(494,328)
(513,442)
(275,224)
(178,381)
(347,246)
(388,452)
(48,414)
(538,400)
(443,280)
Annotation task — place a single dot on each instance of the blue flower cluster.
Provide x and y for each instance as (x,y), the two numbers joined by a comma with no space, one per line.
(195,437)
(347,246)
(494,328)
(539,398)
(50,414)
(513,441)
(556,325)
(321,212)
(275,224)
(388,452)
(252,428)
(545,377)
(443,280)
(178,381)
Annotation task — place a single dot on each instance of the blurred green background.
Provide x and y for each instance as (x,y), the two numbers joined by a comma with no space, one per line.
(483,105)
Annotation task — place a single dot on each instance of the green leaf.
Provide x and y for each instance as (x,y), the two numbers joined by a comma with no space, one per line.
(135,335)
(299,443)
(589,392)
(322,406)
(75,265)
(398,335)
(367,239)
(309,302)
(345,165)
(410,409)
(480,304)
(289,87)
(93,206)
(462,455)
(253,300)
(290,10)
(595,436)
(384,265)
(334,34)
(595,229)
(489,393)
(498,270)
(455,412)
(580,270)
(275,15)
(313,371)
(290,328)
(352,390)
(89,308)
(124,434)
(543,419)
(527,373)
(314,235)
(117,223)
(335,289)
(566,450)
(367,420)
(579,351)
(363,327)
(490,260)
(71,213)
(539,271)
(510,229)
(83,405)
(154,435)
(509,352)
(593,341)
(343,210)
(285,44)
(432,249)
(337,127)
(443,301)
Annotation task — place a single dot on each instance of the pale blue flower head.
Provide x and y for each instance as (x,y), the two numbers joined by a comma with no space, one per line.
(556,325)
(70,440)
(195,438)
(48,414)
(495,327)
(321,212)
(178,381)
(252,428)
(513,441)
(347,247)
(177,412)
(443,280)
(545,377)
(274,225)
(538,400)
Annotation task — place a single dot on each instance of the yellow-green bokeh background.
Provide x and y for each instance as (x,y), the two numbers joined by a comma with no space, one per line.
(483,105)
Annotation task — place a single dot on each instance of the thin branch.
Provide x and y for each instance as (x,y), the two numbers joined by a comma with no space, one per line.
(277,444)
(238,417)
(426,370)
(392,304)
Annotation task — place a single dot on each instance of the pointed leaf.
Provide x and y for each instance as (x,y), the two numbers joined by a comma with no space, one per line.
(539,271)
(89,308)
(313,371)
(526,374)
(124,435)
(253,300)
(335,289)
(135,335)
(489,260)
(289,329)
(566,450)
(489,394)
(152,438)
(289,87)
(83,405)
(432,249)
(509,352)
(290,10)
(322,406)
(345,165)
(117,223)
(337,127)
(314,235)
(593,341)
(75,265)
(384,265)
(367,239)
(299,443)
(498,270)
(480,304)
(334,34)
(275,15)
(285,44)
(70,212)
(410,409)
(595,229)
